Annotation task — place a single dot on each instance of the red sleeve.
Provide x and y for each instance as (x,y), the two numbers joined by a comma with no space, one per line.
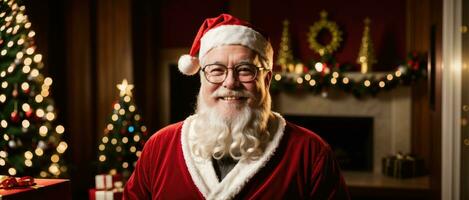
(327,182)
(137,185)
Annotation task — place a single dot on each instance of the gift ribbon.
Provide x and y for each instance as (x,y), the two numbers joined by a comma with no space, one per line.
(11,182)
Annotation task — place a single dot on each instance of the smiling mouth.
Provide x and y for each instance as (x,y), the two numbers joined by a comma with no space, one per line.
(232,98)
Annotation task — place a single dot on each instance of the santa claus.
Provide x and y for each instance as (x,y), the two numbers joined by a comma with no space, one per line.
(234,146)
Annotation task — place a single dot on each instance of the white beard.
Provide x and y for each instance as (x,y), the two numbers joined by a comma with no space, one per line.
(243,136)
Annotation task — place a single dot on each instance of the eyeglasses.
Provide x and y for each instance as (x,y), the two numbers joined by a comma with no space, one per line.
(216,73)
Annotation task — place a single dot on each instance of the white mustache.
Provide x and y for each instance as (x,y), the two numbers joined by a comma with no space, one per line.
(223,92)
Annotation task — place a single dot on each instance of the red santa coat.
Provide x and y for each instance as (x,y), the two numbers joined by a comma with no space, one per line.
(297,164)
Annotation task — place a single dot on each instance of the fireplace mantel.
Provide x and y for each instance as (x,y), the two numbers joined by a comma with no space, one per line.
(391,113)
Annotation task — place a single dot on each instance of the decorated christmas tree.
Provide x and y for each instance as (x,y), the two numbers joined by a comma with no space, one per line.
(366,56)
(124,136)
(285,54)
(30,142)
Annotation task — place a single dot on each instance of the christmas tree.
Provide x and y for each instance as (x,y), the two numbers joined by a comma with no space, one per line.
(366,56)
(30,141)
(124,136)
(285,55)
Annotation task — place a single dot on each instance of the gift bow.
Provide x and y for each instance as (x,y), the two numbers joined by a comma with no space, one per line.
(11,182)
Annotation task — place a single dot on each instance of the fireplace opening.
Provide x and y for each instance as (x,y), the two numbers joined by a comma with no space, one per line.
(351,138)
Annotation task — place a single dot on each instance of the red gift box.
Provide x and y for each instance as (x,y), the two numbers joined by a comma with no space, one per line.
(43,189)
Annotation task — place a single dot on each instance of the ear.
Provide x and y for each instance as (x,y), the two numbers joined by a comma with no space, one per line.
(267,79)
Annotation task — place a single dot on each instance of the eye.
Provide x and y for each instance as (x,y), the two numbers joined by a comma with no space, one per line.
(246,70)
(215,70)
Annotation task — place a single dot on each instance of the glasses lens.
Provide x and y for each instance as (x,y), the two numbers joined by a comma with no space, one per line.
(215,73)
(246,72)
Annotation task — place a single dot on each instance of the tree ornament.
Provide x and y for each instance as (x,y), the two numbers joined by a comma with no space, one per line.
(334,31)
(15,117)
(366,57)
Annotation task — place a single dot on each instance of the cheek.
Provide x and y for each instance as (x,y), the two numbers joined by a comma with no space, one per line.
(206,91)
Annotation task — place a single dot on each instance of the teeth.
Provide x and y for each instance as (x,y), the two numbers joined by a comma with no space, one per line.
(230,98)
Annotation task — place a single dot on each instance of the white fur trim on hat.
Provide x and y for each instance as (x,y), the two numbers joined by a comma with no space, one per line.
(188,65)
(237,34)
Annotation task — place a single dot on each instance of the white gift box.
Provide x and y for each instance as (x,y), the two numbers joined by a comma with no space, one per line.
(104,195)
(103,181)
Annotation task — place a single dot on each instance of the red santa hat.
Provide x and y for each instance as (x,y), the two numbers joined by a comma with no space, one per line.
(224,30)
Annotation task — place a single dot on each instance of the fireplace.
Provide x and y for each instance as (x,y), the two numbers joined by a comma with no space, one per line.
(351,138)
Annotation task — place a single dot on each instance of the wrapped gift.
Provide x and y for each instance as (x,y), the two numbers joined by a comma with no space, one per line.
(40,189)
(114,194)
(103,182)
(403,166)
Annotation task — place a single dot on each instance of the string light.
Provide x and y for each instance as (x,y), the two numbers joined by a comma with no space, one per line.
(102,147)
(5,137)
(19,55)
(43,174)
(25,123)
(277,77)
(398,73)
(27,61)
(299,80)
(105,139)
(37,58)
(62,147)
(125,140)
(131,108)
(25,107)
(117,106)
(25,86)
(307,77)
(114,117)
(136,138)
(12,171)
(127,99)
(137,117)
(118,148)
(312,82)
(121,111)
(110,127)
(345,80)
(55,158)
(48,81)
(28,163)
(31,34)
(34,73)
(59,129)
(30,51)
(28,155)
(4,52)
(133,149)
(4,84)
(2,162)
(43,131)
(3,154)
(26,69)
(382,84)
(54,169)
(143,128)
(4,123)
(138,153)
(102,158)
(20,41)
(39,112)
(39,152)
(125,165)
(367,83)
(3,98)
(318,66)
(114,141)
(50,116)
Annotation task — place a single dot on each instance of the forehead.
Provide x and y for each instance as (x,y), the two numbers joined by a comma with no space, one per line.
(229,53)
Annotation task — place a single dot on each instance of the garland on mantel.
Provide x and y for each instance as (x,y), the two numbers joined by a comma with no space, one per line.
(320,76)
(326,74)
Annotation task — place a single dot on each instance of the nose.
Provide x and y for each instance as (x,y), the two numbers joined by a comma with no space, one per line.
(231,82)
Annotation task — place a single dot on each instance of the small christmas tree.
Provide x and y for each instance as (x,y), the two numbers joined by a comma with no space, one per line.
(30,141)
(124,136)
(285,54)
(366,56)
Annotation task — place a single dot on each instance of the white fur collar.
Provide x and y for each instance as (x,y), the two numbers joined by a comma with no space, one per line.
(203,174)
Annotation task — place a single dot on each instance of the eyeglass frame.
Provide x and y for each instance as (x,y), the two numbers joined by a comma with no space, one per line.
(258,68)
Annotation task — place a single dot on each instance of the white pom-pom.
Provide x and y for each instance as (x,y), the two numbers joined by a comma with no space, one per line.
(188,65)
